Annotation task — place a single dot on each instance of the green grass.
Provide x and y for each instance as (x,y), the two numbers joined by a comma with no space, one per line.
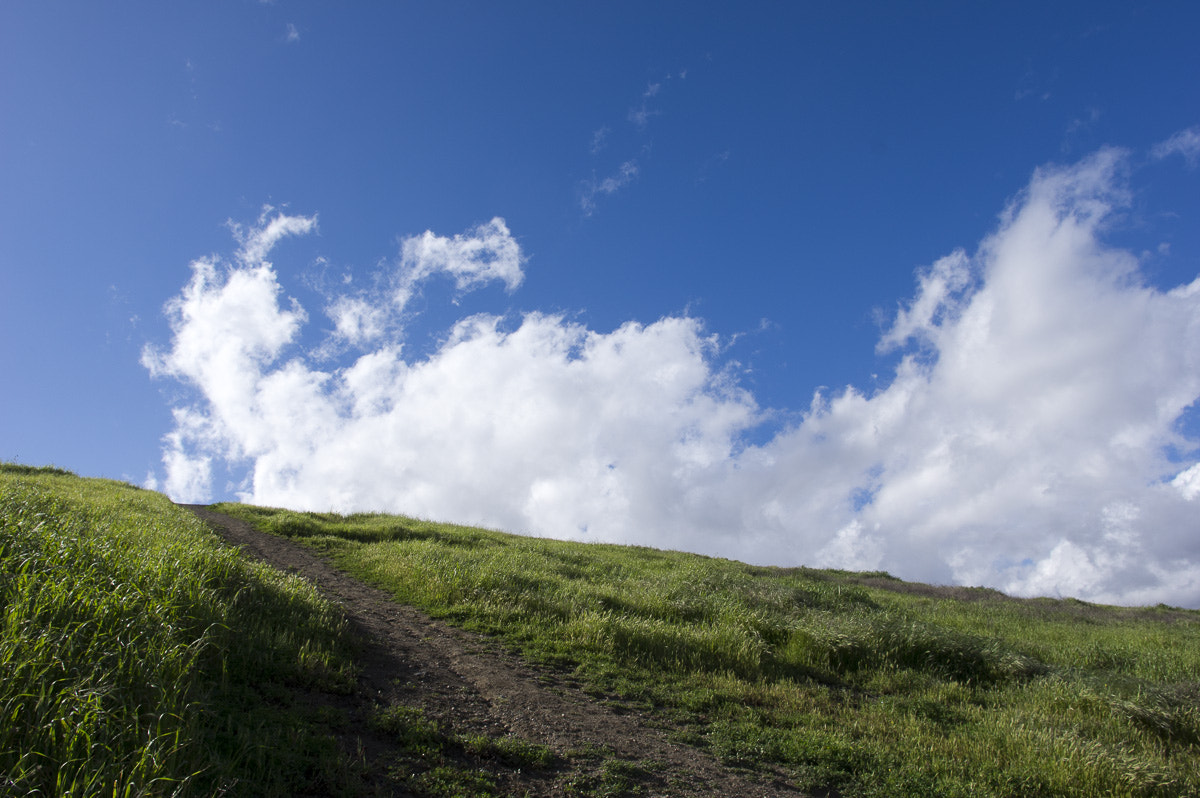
(139,657)
(858,683)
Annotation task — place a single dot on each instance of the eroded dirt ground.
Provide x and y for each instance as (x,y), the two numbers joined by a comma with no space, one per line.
(470,685)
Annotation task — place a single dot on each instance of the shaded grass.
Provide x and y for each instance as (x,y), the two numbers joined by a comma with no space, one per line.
(438,762)
(854,682)
(140,657)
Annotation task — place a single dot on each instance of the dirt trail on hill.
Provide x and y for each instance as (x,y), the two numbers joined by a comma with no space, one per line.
(469,684)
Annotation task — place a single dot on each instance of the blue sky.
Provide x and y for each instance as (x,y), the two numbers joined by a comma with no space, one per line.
(828,284)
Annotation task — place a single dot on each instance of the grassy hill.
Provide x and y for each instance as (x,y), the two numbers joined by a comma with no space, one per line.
(856,682)
(140,657)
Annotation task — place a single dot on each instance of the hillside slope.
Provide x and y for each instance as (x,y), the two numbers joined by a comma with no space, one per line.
(467,685)
(140,655)
(859,684)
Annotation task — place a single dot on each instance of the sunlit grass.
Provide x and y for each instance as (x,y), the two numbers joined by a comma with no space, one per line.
(857,682)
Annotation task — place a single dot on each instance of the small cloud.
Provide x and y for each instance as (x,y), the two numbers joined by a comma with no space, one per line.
(1077,127)
(1034,85)
(625,175)
(1083,123)
(1024,94)
(357,321)
(599,140)
(293,35)
(484,254)
(1185,143)
(257,241)
(640,116)
(710,164)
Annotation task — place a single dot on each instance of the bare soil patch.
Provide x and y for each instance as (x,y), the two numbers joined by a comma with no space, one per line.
(470,685)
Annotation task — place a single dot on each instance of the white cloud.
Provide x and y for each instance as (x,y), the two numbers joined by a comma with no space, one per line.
(1185,143)
(257,241)
(1021,442)
(357,320)
(292,34)
(486,253)
(938,287)
(1188,482)
(1034,403)
(189,474)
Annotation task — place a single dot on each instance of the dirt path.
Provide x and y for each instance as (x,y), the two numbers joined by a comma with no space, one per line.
(470,685)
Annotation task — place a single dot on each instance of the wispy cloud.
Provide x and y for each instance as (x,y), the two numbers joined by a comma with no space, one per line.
(1033,84)
(291,33)
(258,240)
(1077,129)
(1028,439)
(599,140)
(1185,143)
(624,175)
(710,165)
(640,114)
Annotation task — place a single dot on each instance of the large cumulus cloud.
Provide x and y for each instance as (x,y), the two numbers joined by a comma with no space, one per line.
(1028,439)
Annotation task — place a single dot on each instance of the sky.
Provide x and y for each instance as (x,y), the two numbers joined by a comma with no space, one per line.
(847,285)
